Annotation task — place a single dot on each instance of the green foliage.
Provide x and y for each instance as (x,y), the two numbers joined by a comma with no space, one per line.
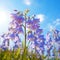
(22,54)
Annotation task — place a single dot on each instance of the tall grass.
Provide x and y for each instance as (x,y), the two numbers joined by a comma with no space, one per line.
(22,54)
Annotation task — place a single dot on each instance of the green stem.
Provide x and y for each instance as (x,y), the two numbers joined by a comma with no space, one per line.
(8,43)
(25,31)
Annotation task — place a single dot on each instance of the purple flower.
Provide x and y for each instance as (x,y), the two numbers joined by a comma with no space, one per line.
(19,29)
(41,37)
(36,21)
(34,27)
(33,24)
(13,25)
(30,36)
(18,18)
(12,35)
(39,31)
(57,31)
(29,22)
(13,16)
(15,47)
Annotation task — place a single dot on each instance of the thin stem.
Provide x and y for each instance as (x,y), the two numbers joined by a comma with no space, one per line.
(26,11)
(25,31)
(8,43)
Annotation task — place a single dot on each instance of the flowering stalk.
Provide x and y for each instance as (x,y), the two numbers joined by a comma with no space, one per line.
(25,13)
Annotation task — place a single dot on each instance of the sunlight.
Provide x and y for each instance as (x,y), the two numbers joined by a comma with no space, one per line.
(3,17)
(41,17)
(27,2)
(4,21)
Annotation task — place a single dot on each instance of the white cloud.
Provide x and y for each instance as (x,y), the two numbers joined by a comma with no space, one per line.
(42,17)
(57,22)
(27,2)
(53,25)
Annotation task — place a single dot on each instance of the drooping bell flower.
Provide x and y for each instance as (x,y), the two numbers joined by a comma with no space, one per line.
(57,31)
(12,35)
(35,43)
(18,18)
(41,37)
(12,30)
(41,41)
(4,48)
(39,31)
(49,48)
(35,21)
(15,47)
(17,39)
(29,23)
(49,43)
(34,27)
(48,39)
(13,16)
(56,35)
(12,24)
(4,39)
(48,36)
(30,36)
(39,50)
(19,29)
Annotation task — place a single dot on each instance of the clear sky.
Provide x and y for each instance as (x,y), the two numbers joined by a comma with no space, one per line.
(47,10)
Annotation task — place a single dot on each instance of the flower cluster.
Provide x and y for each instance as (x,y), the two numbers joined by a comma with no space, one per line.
(30,28)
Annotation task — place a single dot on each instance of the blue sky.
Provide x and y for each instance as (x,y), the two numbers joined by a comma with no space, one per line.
(47,10)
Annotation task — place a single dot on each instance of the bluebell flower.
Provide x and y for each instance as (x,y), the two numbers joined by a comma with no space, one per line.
(39,31)
(57,31)
(19,29)
(34,27)
(35,43)
(15,47)
(18,18)
(36,21)
(30,35)
(41,37)
(12,35)
(3,47)
(29,22)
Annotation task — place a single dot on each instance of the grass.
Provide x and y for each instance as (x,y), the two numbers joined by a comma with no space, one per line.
(22,54)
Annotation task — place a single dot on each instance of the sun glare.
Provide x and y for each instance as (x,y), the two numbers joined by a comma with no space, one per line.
(4,21)
(3,17)
(41,17)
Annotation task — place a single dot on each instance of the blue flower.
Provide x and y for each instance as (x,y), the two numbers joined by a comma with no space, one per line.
(41,37)
(12,35)
(29,22)
(15,47)
(18,18)
(57,39)
(38,31)
(36,21)
(30,35)
(35,26)
(3,47)
(19,29)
